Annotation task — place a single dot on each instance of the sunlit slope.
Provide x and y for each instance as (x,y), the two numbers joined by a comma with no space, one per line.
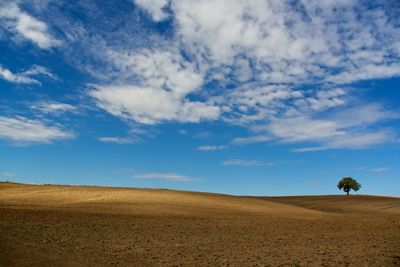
(164,202)
(139,201)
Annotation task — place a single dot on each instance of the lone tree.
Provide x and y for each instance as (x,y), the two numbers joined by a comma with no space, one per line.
(347,184)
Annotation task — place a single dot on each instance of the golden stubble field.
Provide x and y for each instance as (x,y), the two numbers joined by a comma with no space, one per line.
(46,225)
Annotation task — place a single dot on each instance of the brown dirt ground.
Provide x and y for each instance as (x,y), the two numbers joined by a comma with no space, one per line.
(96,226)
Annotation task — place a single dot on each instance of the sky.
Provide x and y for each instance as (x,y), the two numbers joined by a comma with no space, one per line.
(255,97)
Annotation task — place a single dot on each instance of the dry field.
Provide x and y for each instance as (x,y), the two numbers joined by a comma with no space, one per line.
(96,226)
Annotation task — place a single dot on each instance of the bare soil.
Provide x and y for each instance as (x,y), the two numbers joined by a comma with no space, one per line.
(46,225)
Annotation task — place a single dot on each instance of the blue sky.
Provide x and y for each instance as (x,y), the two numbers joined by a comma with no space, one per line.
(240,97)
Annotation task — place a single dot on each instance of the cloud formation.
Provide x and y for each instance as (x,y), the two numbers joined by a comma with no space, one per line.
(211,148)
(246,163)
(154,7)
(268,48)
(321,118)
(292,42)
(119,140)
(380,170)
(276,68)
(21,130)
(25,77)
(21,23)
(150,105)
(54,108)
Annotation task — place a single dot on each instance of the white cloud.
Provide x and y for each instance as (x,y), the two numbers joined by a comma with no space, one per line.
(254,103)
(159,69)
(249,63)
(53,107)
(150,106)
(359,140)
(154,7)
(364,115)
(211,148)
(27,131)
(251,139)
(363,140)
(20,22)
(243,71)
(15,78)
(246,163)
(349,128)
(298,129)
(382,169)
(120,140)
(26,76)
(40,70)
(291,43)
(371,71)
(164,82)
(165,176)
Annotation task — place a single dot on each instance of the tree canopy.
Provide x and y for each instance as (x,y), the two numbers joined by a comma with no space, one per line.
(347,184)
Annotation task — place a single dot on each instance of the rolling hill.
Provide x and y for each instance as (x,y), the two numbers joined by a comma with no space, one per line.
(48,225)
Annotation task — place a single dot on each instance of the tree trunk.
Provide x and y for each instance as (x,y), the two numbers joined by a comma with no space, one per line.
(347,192)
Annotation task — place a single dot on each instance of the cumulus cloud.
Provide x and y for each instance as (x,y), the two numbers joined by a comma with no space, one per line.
(26,131)
(150,106)
(165,176)
(164,82)
(281,69)
(23,24)
(211,148)
(269,48)
(154,7)
(289,42)
(159,69)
